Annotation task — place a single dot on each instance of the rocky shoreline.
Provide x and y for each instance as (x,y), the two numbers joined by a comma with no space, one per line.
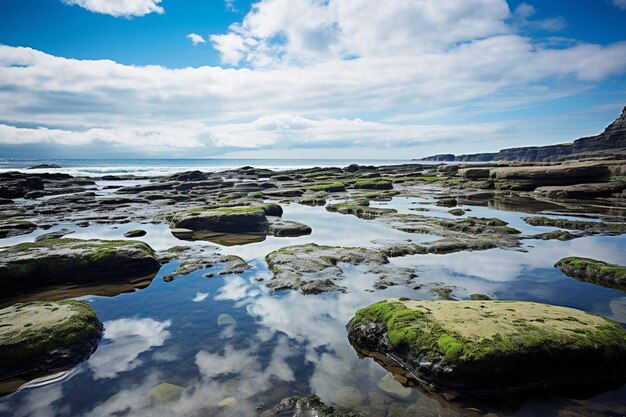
(247,206)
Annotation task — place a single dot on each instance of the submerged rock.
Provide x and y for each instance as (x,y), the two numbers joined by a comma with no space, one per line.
(54,235)
(165,393)
(596,272)
(490,347)
(46,336)
(60,261)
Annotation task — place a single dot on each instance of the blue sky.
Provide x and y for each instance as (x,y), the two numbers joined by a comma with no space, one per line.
(305,78)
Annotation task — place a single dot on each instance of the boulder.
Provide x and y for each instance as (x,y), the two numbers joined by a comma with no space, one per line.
(46,336)
(282,228)
(490,347)
(61,261)
(242,219)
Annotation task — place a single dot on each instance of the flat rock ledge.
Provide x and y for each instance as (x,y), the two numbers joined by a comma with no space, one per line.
(46,336)
(33,265)
(489,347)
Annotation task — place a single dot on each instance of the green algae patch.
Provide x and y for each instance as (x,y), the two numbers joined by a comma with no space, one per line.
(46,335)
(596,272)
(373,184)
(491,346)
(332,187)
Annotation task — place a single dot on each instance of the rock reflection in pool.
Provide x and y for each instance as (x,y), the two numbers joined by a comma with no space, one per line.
(288,344)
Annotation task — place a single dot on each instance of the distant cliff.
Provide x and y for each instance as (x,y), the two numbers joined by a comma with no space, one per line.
(613,138)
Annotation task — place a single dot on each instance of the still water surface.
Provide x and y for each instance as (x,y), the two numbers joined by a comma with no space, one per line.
(237,349)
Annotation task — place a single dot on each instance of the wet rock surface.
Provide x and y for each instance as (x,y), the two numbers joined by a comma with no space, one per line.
(312,269)
(34,265)
(596,272)
(490,347)
(46,336)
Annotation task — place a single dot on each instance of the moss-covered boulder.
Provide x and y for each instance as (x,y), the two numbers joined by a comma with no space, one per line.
(62,261)
(45,336)
(596,272)
(240,219)
(490,347)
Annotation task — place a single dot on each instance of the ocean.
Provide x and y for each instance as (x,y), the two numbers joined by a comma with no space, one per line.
(160,167)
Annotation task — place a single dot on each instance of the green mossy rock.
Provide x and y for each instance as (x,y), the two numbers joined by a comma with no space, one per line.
(596,272)
(240,219)
(582,225)
(490,347)
(62,261)
(45,336)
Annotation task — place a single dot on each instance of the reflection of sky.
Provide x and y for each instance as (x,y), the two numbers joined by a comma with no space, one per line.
(287,343)
(124,340)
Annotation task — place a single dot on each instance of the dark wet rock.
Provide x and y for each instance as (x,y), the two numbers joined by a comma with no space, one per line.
(480,297)
(457,212)
(5,201)
(333,187)
(135,233)
(32,265)
(562,235)
(54,235)
(581,225)
(306,406)
(290,192)
(373,184)
(189,176)
(352,168)
(239,219)
(490,347)
(10,228)
(46,336)
(596,272)
(45,166)
(281,228)
(581,191)
(447,202)
(16,185)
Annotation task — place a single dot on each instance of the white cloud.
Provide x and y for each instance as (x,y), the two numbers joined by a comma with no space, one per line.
(195,38)
(230,5)
(407,60)
(200,296)
(127,339)
(304,31)
(620,4)
(119,8)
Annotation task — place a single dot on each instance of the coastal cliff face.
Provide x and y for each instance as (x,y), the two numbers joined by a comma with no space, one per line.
(613,138)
